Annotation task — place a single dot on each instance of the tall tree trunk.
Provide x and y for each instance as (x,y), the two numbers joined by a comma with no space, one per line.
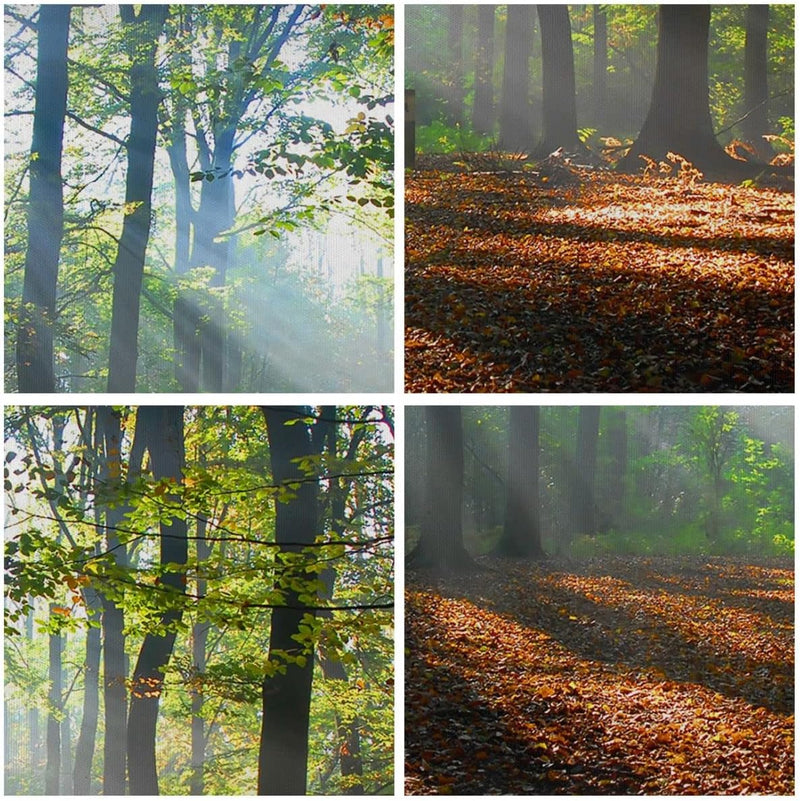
(585,464)
(756,91)
(600,65)
(114,666)
(483,105)
(52,770)
(142,33)
(199,640)
(516,130)
(163,430)
(454,89)
(618,443)
(286,697)
(84,749)
(441,542)
(559,114)
(522,529)
(35,367)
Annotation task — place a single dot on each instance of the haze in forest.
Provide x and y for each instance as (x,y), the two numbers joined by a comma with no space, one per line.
(199,198)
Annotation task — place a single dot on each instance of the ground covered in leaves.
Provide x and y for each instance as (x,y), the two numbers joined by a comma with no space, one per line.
(590,281)
(616,676)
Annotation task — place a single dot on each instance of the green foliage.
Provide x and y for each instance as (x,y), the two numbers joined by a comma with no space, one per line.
(439,137)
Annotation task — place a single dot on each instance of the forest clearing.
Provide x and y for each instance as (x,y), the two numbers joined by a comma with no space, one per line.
(591,281)
(648,675)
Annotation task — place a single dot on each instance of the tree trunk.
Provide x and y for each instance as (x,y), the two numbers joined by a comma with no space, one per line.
(522,529)
(52,770)
(585,463)
(35,368)
(618,443)
(483,105)
(515,110)
(199,640)
(441,543)
(286,697)
(679,120)
(600,65)
(163,431)
(114,667)
(454,89)
(559,115)
(142,31)
(756,91)
(84,749)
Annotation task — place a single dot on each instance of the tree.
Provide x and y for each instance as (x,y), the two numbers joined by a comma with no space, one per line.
(35,367)
(483,104)
(454,100)
(515,110)
(585,508)
(682,83)
(600,64)
(756,90)
(559,114)
(286,690)
(522,528)
(141,34)
(441,543)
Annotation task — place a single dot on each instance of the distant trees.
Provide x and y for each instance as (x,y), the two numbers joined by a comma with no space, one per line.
(576,481)
(596,65)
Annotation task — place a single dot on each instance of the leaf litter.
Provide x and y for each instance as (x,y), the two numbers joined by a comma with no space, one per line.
(616,676)
(612,283)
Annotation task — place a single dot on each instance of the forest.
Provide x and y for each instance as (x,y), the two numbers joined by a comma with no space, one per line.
(599,198)
(198,198)
(199,600)
(599,600)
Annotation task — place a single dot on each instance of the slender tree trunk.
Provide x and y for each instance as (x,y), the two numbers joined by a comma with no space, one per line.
(52,770)
(143,32)
(454,90)
(163,431)
(516,131)
(559,114)
(585,463)
(84,749)
(600,65)
(199,640)
(483,105)
(114,666)
(756,90)
(286,697)
(522,529)
(618,438)
(35,367)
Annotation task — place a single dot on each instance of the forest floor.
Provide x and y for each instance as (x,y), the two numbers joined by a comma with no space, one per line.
(615,676)
(591,281)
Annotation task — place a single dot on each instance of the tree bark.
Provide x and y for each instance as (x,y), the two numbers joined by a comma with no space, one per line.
(163,431)
(52,770)
(142,31)
(516,131)
(559,114)
(441,542)
(522,529)
(84,749)
(286,697)
(483,104)
(756,90)
(35,367)
(585,463)
(600,65)
(679,119)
